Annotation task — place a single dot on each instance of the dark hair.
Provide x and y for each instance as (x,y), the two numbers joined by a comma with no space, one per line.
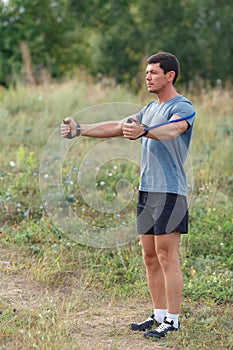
(168,62)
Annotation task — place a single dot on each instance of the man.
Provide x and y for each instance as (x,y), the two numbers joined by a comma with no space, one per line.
(162,213)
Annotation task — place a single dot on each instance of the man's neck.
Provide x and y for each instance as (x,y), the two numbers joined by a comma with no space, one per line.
(164,96)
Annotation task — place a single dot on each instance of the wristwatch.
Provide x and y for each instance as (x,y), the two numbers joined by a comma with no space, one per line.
(78,130)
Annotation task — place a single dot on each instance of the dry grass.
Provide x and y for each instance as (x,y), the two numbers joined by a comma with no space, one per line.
(68,316)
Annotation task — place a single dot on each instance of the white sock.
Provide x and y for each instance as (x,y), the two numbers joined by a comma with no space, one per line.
(174,318)
(159,314)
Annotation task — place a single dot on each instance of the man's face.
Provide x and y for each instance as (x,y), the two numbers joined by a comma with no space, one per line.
(156,80)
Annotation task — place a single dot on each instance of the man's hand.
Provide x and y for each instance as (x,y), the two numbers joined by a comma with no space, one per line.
(70,126)
(133,129)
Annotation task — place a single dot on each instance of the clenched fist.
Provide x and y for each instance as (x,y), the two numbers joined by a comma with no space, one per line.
(68,128)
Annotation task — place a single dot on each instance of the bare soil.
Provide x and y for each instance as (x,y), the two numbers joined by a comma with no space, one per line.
(100,324)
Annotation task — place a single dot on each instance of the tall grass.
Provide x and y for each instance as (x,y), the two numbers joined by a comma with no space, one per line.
(212,142)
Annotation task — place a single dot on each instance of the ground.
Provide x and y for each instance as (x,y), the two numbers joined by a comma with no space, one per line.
(67,314)
(101,324)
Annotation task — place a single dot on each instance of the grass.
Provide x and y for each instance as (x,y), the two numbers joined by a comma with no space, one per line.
(61,293)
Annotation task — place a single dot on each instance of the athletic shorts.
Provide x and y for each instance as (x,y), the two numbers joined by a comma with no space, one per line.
(159,213)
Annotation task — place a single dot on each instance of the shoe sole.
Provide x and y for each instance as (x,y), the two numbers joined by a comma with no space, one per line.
(154,337)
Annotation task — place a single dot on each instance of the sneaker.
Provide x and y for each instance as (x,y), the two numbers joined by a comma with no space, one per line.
(162,330)
(143,326)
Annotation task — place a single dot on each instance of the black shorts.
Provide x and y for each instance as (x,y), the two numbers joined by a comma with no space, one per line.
(159,213)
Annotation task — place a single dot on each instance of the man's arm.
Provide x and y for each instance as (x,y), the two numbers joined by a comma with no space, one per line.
(164,132)
(169,131)
(100,130)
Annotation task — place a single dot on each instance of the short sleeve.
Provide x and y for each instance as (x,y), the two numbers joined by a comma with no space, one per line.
(185,109)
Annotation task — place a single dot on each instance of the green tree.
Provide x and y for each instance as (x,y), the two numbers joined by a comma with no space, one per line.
(122,32)
(114,37)
(44,26)
(170,26)
(214,28)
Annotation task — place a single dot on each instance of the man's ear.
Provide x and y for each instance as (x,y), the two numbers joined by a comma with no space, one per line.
(171,75)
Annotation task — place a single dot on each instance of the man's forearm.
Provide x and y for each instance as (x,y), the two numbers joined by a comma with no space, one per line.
(102,130)
(169,131)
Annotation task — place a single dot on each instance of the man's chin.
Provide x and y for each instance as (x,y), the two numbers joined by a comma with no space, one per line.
(151,90)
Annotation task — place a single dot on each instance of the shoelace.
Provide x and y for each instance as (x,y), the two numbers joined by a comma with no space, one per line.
(162,327)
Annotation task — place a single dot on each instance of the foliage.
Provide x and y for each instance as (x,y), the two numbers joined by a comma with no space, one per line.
(44,26)
(112,38)
(208,251)
(18,195)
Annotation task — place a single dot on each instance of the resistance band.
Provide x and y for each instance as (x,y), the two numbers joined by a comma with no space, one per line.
(148,128)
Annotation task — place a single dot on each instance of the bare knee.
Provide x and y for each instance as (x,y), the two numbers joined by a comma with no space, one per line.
(151,261)
(163,259)
(166,260)
(167,250)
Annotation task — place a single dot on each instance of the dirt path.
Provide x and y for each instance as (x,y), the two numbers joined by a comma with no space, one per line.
(100,324)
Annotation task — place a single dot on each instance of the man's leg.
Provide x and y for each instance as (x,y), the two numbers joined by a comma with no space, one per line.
(154,272)
(167,249)
(156,284)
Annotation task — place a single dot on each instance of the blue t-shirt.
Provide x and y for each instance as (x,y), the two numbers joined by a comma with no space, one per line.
(162,163)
